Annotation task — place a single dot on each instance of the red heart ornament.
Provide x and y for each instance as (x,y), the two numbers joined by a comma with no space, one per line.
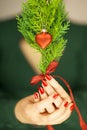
(43,39)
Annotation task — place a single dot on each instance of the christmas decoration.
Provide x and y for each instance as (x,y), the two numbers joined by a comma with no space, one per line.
(43,24)
(45,18)
(43,39)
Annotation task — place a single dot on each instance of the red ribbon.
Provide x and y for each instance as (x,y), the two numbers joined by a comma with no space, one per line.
(83,125)
(51,68)
(49,127)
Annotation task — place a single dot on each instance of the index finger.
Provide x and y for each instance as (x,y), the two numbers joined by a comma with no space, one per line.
(58,88)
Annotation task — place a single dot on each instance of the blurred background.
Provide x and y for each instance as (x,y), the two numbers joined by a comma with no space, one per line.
(16,71)
(76,8)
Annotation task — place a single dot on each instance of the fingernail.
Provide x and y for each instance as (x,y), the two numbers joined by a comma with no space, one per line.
(44,83)
(55,95)
(66,104)
(72,107)
(41,90)
(48,77)
(36,95)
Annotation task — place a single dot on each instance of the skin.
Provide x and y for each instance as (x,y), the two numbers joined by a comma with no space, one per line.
(45,109)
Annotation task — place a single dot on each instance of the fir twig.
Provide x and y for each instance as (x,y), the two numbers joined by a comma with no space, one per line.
(44,14)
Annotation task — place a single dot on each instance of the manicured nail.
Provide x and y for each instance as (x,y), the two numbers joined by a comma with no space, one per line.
(36,95)
(41,90)
(48,77)
(66,104)
(44,83)
(55,95)
(72,107)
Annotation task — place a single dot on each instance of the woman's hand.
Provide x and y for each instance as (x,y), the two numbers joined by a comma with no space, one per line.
(52,105)
(61,107)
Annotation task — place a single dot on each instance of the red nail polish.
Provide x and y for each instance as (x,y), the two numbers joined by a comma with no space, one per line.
(72,107)
(41,90)
(48,77)
(44,83)
(66,104)
(36,95)
(55,95)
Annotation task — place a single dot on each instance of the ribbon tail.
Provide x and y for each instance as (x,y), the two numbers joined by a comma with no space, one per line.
(36,79)
(83,125)
(49,127)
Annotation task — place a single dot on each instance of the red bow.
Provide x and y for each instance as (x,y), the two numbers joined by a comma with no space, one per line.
(51,68)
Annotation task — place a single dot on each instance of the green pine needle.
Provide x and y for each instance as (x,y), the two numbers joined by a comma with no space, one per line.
(45,14)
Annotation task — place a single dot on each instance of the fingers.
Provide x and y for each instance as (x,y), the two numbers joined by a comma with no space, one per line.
(58,88)
(42,93)
(67,113)
(58,113)
(51,87)
(36,97)
(50,108)
(58,101)
(51,103)
(49,90)
(59,116)
(52,99)
(47,87)
(54,115)
(40,96)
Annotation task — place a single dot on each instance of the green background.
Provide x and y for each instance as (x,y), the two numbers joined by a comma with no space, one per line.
(15,74)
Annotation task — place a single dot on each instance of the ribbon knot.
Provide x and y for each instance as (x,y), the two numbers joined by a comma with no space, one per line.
(50,69)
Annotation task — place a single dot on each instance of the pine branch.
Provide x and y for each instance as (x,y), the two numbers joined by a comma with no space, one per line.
(44,14)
